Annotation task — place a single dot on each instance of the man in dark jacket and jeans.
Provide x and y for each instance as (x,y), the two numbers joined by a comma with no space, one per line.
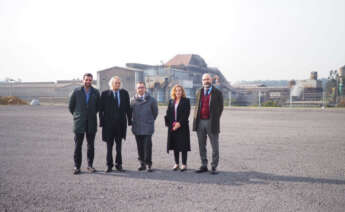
(144,113)
(84,104)
(208,109)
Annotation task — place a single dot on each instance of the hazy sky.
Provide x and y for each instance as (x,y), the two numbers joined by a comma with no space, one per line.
(43,40)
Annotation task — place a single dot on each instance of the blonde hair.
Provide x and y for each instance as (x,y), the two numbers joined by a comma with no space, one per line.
(173,91)
(112,80)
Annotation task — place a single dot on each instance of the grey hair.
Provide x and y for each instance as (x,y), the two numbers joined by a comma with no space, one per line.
(112,80)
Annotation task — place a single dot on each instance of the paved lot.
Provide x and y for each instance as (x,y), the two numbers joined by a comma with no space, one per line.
(271,160)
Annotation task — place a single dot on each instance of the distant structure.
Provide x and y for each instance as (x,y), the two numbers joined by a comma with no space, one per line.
(307,91)
(184,69)
(256,95)
(43,91)
(341,84)
(297,93)
(129,77)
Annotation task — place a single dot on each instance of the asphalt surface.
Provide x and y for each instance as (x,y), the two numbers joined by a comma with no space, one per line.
(270,160)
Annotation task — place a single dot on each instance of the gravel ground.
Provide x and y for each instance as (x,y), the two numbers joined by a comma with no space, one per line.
(270,160)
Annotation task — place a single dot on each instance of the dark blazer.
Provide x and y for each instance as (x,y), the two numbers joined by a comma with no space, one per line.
(111,117)
(216,109)
(84,113)
(179,139)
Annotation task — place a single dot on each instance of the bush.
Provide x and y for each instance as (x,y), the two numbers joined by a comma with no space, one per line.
(11,100)
(341,103)
(270,103)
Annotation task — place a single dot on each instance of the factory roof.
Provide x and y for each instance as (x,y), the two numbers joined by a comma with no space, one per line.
(186,60)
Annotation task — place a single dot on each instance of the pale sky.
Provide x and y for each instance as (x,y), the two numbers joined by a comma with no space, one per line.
(42,40)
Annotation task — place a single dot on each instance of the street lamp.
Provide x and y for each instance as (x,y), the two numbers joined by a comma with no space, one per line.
(10,82)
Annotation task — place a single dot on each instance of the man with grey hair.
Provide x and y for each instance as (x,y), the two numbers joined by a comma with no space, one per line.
(113,115)
(208,109)
(144,113)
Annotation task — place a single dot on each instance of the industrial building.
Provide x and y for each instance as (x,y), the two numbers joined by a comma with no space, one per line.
(307,92)
(186,70)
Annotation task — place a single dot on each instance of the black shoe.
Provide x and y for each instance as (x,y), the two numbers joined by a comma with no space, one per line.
(149,169)
(183,168)
(214,170)
(202,169)
(76,171)
(91,169)
(109,169)
(119,168)
(142,167)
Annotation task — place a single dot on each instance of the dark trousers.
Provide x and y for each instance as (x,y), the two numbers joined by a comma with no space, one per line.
(118,158)
(184,157)
(144,144)
(78,141)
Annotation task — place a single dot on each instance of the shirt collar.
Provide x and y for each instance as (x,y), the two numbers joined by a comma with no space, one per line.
(143,96)
(85,90)
(209,90)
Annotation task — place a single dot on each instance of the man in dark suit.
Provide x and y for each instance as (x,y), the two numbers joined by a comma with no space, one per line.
(208,109)
(84,105)
(113,115)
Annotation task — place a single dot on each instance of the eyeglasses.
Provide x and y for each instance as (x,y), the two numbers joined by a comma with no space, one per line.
(140,87)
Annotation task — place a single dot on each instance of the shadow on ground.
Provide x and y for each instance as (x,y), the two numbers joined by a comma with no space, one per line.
(222,178)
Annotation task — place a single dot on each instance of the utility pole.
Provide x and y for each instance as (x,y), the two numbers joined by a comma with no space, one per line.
(230,98)
(290,97)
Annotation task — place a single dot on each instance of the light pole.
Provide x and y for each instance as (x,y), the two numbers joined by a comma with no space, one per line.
(336,88)
(323,99)
(290,97)
(230,98)
(10,82)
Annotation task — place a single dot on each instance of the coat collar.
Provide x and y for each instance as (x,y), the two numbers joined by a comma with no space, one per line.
(111,92)
(91,89)
(146,97)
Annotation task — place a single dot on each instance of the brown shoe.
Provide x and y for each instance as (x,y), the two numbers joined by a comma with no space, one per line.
(91,169)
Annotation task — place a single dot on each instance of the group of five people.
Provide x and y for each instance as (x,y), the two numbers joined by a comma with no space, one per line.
(116,110)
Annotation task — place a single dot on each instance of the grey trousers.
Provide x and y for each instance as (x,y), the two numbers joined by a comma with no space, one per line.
(203,131)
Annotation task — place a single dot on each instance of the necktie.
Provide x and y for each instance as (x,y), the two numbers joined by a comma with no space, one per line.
(116,100)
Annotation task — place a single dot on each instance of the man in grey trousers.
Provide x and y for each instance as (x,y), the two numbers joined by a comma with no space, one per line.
(144,110)
(208,109)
